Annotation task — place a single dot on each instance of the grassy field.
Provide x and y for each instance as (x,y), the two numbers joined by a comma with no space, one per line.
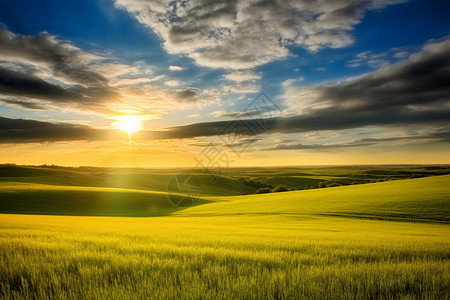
(421,199)
(231,182)
(245,257)
(387,240)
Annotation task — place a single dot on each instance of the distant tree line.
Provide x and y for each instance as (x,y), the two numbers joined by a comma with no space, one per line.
(277,189)
(263,188)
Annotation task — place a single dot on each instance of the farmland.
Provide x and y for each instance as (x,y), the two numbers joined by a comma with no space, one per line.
(366,241)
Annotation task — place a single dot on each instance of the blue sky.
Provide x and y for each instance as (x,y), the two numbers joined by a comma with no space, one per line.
(192,63)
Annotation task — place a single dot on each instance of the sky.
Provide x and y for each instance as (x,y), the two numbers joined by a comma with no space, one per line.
(217,84)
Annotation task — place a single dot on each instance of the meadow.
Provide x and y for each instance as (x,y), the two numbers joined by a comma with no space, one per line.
(385,240)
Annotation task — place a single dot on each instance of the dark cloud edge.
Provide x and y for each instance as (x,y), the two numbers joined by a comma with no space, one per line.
(32,131)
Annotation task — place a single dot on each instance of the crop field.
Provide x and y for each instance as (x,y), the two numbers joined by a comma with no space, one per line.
(384,240)
(245,257)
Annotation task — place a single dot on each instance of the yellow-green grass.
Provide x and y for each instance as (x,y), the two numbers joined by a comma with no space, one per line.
(291,245)
(221,257)
(32,198)
(422,199)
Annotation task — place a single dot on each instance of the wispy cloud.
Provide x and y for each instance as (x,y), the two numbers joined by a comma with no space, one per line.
(378,60)
(172,82)
(242,76)
(22,104)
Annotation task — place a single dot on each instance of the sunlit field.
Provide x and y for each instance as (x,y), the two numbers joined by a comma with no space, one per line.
(375,241)
(222,257)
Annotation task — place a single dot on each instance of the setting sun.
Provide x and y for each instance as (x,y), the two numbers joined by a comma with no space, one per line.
(129,124)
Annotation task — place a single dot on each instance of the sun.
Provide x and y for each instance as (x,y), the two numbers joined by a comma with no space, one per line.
(129,124)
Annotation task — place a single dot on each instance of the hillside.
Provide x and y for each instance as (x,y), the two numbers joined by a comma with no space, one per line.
(230,182)
(331,243)
(141,179)
(421,199)
(142,192)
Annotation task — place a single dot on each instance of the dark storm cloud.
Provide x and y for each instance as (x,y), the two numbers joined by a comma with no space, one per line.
(443,136)
(422,83)
(65,60)
(27,131)
(21,84)
(30,131)
(326,119)
(236,114)
(419,84)
(405,140)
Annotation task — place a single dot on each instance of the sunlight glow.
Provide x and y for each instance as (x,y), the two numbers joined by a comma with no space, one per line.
(129,124)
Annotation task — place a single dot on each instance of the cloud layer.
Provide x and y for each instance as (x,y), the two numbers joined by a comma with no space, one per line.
(30,131)
(43,72)
(242,34)
(415,92)
(419,85)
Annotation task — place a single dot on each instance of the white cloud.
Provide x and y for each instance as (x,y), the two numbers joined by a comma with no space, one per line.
(292,81)
(374,60)
(172,83)
(241,76)
(243,34)
(401,54)
(175,68)
(240,89)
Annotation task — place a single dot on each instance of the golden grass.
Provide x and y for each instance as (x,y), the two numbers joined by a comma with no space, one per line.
(289,245)
(228,257)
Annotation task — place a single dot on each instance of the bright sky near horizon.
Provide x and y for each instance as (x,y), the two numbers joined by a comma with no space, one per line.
(170,83)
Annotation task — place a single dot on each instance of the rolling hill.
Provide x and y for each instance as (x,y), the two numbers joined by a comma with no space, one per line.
(330,243)
(70,191)
(421,199)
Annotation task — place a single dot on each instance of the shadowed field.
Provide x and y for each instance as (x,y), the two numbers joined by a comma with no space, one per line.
(85,201)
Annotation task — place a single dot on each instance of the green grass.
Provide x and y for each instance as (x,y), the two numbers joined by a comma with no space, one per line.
(422,199)
(387,240)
